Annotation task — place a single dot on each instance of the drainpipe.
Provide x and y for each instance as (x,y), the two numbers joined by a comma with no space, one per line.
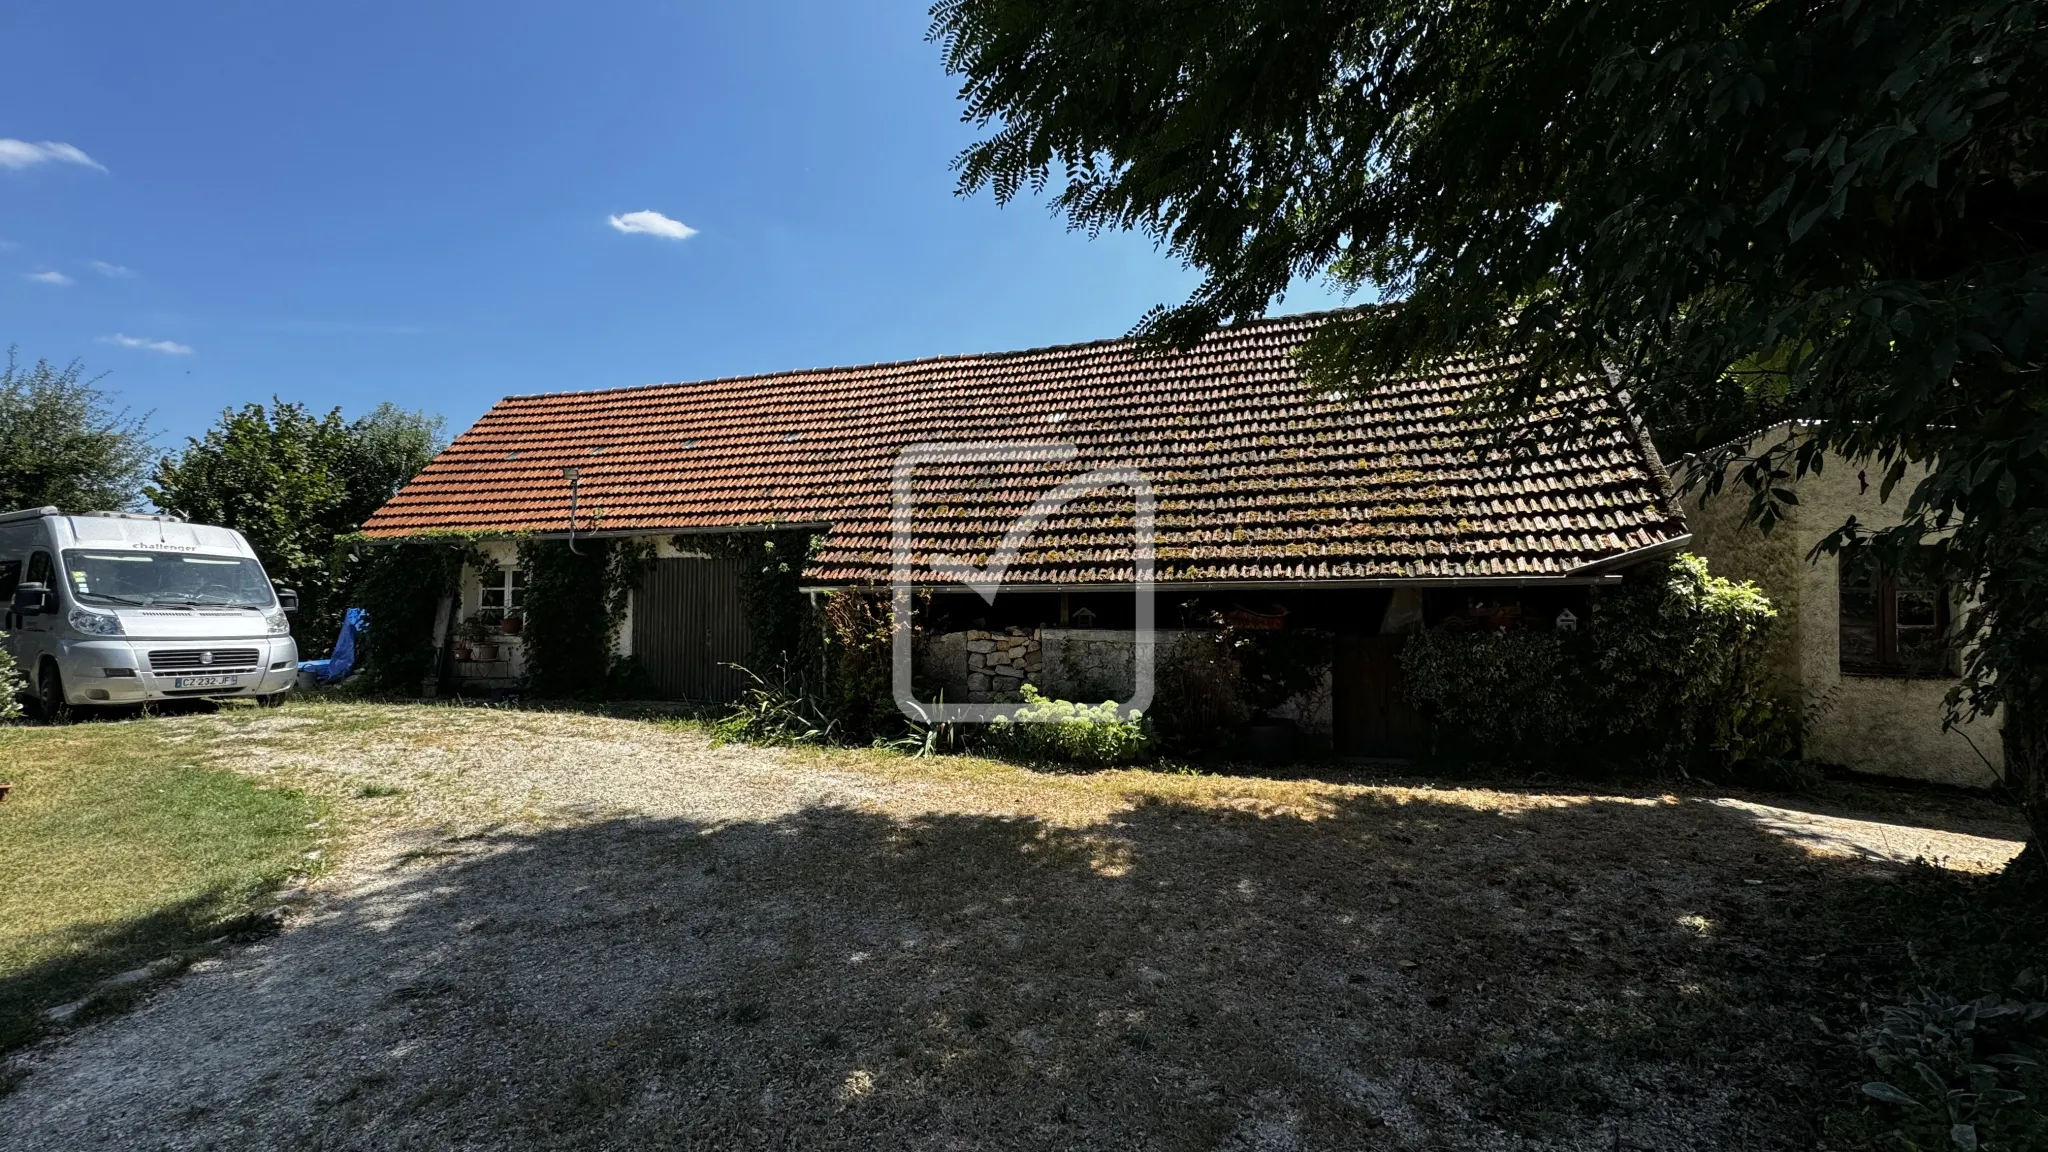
(574,476)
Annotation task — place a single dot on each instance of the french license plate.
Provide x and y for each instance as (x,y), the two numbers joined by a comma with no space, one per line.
(206,682)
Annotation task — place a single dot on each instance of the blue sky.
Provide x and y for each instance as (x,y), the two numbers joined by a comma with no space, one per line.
(413,202)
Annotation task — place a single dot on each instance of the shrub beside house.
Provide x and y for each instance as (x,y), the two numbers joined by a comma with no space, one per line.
(1861,659)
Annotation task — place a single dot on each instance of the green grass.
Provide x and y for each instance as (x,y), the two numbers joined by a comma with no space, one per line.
(122,844)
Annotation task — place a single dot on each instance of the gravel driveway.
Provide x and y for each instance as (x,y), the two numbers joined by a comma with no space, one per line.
(575,932)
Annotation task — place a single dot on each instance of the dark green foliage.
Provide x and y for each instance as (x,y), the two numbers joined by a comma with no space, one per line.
(1963,1074)
(568,632)
(1278,665)
(60,443)
(295,483)
(402,585)
(1198,707)
(1833,211)
(777,709)
(1676,669)
(576,601)
(861,684)
(782,632)
(1509,693)
(1668,676)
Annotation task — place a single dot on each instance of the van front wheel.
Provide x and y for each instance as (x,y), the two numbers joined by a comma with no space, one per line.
(50,695)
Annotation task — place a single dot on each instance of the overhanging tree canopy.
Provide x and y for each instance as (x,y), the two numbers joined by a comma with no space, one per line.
(1754,209)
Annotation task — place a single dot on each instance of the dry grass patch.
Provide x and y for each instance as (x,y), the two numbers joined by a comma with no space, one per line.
(567,931)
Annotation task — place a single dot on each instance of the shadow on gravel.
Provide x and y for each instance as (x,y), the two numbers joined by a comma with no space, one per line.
(1598,974)
(95,952)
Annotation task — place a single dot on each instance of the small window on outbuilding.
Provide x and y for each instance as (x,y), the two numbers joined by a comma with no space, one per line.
(502,592)
(1891,623)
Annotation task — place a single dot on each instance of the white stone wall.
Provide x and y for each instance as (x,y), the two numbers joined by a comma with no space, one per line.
(508,665)
(1881,725)
(1085,665)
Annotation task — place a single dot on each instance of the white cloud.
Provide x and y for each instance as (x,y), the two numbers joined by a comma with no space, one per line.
(653,224)
(50,277)
(114,271)
(22,154)
(167,347)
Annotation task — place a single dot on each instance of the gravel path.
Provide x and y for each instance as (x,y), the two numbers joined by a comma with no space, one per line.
(575,932)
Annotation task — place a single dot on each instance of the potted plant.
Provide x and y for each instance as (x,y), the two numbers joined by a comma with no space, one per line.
(511,624)
(473,641)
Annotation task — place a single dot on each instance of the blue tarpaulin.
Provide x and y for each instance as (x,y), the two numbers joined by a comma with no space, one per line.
(338,666)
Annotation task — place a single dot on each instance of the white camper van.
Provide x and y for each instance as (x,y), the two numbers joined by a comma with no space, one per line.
(122,608)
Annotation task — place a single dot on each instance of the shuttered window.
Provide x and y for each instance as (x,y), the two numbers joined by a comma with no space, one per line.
(1891,624)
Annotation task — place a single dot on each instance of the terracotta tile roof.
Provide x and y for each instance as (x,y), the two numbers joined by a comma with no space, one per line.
(1258,477)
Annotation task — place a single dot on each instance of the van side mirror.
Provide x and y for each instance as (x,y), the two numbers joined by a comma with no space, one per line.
(287,599)
(34,599)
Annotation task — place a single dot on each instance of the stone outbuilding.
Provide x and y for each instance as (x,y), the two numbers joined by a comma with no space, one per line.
(1865,656)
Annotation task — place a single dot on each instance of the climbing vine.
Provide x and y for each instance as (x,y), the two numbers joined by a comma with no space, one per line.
(578,600)
(401,585)
(783,636)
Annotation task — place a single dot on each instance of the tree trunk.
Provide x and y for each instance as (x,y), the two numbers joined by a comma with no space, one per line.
(2026,774)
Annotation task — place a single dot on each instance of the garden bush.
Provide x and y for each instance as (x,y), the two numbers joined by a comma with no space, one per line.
(775,709)
(1094,735)
(1677,669)
(1508,691)
(1198,706)
(1669,675)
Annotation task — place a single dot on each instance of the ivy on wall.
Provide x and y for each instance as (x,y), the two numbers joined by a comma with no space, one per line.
(860,650)
(783,635)
(402,585)
(577,600)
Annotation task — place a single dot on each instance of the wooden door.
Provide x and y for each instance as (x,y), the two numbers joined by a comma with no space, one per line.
(1372,715)
(688,629)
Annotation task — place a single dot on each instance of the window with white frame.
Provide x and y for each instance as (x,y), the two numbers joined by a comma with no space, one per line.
(501,592)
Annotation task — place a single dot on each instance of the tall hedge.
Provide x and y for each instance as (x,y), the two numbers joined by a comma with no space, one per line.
(1668,674)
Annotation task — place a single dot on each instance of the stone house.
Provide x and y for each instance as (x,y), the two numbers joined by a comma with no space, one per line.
(1866,657)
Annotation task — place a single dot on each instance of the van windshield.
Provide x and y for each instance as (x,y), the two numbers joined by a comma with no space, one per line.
(139,578)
